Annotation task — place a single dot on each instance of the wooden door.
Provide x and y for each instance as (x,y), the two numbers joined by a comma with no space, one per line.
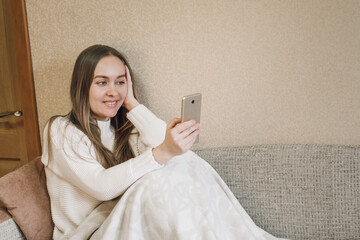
(19,135)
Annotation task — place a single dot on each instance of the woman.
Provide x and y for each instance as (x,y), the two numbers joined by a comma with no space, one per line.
(109,146)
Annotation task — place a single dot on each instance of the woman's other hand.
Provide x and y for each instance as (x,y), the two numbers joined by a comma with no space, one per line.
(179,139)
(130,101)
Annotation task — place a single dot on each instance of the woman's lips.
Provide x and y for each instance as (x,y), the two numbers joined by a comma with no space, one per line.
(110,103)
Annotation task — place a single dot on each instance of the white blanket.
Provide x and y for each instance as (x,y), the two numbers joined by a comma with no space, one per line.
(186,200)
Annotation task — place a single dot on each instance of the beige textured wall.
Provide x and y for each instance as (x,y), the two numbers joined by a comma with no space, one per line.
(270,71)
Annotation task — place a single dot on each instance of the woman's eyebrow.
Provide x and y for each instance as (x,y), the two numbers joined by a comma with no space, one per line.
(120,76)
(100,76)
(103,76)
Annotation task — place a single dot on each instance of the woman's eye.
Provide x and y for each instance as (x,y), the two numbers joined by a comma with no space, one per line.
(121,82)
(101,82)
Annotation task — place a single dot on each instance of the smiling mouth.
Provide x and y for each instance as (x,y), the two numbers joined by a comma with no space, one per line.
(110,103)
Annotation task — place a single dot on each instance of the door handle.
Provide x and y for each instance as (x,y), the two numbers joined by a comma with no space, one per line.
(15,113)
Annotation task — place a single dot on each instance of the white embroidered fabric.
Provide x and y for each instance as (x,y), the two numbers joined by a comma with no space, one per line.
(186,200)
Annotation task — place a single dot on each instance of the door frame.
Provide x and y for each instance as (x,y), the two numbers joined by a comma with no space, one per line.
(26,79)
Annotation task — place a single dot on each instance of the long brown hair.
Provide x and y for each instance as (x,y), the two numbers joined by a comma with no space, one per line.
(81,115)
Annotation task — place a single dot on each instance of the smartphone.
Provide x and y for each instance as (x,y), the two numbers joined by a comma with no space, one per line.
(191,109)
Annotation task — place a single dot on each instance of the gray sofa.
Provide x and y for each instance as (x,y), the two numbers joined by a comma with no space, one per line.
(295,191)
(291,191)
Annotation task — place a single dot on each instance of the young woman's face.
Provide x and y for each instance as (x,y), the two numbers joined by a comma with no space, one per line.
(108,89)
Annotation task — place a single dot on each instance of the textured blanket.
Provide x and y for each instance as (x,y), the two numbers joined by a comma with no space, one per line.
(186,199)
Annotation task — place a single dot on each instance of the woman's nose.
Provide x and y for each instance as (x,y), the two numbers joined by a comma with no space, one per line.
(111,91)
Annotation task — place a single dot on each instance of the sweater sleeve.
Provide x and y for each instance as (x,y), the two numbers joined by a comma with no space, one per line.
(73,159)
(152,129)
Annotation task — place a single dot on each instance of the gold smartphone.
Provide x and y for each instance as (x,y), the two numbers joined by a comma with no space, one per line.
(191,109)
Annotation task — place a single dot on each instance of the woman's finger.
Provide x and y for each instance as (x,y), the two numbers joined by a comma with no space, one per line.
(129,81)
(173,123)
(190,130)
(127,74)
(184,125)
(190,139)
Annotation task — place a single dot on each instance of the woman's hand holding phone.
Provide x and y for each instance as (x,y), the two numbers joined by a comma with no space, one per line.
(179,138)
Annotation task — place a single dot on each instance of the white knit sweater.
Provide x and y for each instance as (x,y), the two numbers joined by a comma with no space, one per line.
(78,183)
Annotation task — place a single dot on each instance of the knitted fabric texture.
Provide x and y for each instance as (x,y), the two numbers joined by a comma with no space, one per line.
(295,191)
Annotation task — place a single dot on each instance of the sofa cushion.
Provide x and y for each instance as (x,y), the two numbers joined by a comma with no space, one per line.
(24,195)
